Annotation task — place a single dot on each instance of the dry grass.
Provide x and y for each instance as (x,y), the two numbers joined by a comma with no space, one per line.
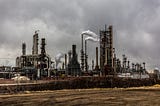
(136,96)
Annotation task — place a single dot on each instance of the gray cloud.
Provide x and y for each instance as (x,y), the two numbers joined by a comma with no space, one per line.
(136,25)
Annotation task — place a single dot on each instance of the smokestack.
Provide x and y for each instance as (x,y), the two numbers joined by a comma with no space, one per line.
(74,51)
(96,56)
(82,55)
(82,41)
(86,57)
(23,48)
(65,62)
(111,43)
(92,65)
(35,43)
(97,67)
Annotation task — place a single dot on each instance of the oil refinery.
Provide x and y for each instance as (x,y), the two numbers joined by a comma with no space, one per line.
(39,66)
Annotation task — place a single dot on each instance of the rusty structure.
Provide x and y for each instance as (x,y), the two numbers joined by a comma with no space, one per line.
(106,51)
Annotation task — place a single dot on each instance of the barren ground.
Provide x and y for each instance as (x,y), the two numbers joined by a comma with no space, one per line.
(142,96)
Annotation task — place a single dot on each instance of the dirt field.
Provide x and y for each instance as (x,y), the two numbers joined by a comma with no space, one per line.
(142,96)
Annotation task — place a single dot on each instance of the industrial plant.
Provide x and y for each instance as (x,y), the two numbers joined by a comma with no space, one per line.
(40,66)
(35,65)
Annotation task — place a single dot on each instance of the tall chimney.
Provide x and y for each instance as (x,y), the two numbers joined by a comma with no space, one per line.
(96,67)
(35,43)
(23,48)
(82,54)
(111,44)
(92,65)
(86,57)
(96,56)
(74,51)
(65,62)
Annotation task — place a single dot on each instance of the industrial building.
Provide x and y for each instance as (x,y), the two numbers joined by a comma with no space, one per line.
(38,64)
(73,68)
(106,51)
(109,64)
(35,64)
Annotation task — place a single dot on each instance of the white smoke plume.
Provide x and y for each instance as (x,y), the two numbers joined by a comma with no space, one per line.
(58,58)
(90,34)
(92,39)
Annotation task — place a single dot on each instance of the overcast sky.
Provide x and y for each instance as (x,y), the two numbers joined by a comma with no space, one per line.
(136,26)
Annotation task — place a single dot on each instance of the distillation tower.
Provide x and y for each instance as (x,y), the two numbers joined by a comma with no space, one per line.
(106,51)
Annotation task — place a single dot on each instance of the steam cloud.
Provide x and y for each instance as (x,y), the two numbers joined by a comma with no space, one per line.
(58,58)
(92,39)
(90,34)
